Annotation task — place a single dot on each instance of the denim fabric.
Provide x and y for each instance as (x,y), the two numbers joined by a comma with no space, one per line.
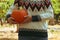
(32,35)
(32,38)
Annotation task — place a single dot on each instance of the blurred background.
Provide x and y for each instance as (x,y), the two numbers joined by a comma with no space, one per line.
(8,31)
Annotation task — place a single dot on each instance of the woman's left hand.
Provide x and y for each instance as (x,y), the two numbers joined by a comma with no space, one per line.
(27,19)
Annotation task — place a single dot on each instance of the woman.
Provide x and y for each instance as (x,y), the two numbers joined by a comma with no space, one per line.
(36,23)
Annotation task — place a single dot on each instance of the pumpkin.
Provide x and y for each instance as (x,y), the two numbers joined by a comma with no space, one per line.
(19,15)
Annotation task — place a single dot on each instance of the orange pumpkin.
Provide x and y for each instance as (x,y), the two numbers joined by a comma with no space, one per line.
(18,15)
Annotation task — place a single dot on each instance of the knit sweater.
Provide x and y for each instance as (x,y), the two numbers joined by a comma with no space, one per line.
(36,7)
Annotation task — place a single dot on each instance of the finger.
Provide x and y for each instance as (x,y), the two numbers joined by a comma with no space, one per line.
(11,21)
(26,20)
(11,18)
(26,16)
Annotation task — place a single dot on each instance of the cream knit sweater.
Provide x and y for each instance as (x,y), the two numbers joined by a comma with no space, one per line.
(44,14)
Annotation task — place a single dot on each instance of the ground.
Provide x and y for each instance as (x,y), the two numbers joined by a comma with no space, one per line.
(8,33)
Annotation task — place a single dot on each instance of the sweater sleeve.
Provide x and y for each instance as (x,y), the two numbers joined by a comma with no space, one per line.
(48,14)
(9,11)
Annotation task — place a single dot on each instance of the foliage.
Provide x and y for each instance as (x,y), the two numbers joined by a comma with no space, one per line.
(56,6)
(4,6)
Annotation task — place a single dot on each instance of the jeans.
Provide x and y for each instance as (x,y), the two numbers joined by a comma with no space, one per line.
(32,38)
(32,35)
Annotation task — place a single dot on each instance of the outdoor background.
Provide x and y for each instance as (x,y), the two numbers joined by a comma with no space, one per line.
(7,31)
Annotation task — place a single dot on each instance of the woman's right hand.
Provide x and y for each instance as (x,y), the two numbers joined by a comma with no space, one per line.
(11,20)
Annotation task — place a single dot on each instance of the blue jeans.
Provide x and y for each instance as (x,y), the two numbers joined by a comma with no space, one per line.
(32,38)
(32,35)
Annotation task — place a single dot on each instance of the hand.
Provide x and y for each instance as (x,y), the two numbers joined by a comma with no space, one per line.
(27,19)
(11,20)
